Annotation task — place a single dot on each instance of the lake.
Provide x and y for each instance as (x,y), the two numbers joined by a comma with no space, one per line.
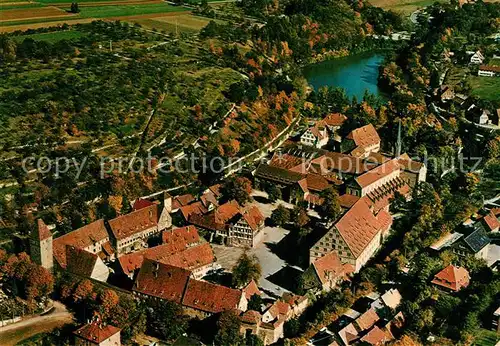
(355,74)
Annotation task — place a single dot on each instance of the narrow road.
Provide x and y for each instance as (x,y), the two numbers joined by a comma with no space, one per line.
(24,329)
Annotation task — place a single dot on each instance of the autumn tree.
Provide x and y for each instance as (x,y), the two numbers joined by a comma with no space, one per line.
(237,188)
(246,269)
(27,279)
(299,216)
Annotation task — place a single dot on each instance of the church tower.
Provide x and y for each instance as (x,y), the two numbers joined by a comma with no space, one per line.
(41,246)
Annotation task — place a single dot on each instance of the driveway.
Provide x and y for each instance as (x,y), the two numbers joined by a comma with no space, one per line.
(24,329)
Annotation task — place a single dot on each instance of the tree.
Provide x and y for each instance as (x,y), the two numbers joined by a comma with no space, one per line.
(255,302)
(274,193)
(108,300)
(228,329)
(299,217)
(237,188)
(75,8)
(165,319)
(292,328)
(246,269)
(253,340)
(330,209)
(280,216)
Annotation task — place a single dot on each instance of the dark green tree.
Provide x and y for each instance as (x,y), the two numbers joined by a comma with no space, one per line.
(247,268)
(228,329)
(280,216)
(330,209)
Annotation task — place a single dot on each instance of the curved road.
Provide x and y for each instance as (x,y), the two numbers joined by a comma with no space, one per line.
(14,333)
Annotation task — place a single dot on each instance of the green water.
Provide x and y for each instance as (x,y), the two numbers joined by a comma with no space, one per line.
(356,74)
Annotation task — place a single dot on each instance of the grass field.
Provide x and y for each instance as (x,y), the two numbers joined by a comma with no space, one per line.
(41,12)
(408,6)
(486,87)
(486,338)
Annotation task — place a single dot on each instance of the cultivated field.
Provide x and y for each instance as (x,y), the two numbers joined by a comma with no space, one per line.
(22,15)
(32,13)
(181,23)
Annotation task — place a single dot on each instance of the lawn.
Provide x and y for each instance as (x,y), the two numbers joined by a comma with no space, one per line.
(494,62)
(406,6)
(127,10)
(485,87)
(486,338)
(52,36)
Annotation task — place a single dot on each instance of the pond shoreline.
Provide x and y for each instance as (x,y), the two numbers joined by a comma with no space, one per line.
(355,73)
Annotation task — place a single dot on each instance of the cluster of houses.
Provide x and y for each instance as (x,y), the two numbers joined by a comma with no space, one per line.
(366,180)
(447,96)
(477,58)
(375,320)
(473,238)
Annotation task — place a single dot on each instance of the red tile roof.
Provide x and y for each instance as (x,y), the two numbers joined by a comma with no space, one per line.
(209,198)
(316,182)
(217,219)
(378,173)
(96,333)
(376,337)
(347,201)
(137,221)
(79,261)
(251,317)
(41,232)
(216,189)
(251,289)
(141,203)
(489,68)
(182,200)
(286,161)
(108,249)
(329,267)
(364,136)
(162,281)
(253,217)
(337,162)
(184,235)
(491,222)
(367,320)
(191,258)
(358,226)
(191,209)
(453,278)
(212,298)
(81,238)
(176,240)
(335,119)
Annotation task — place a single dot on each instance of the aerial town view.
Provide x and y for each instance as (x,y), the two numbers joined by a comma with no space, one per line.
(250,172)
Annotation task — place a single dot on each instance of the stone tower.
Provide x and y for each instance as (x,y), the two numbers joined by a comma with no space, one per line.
(41,246)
